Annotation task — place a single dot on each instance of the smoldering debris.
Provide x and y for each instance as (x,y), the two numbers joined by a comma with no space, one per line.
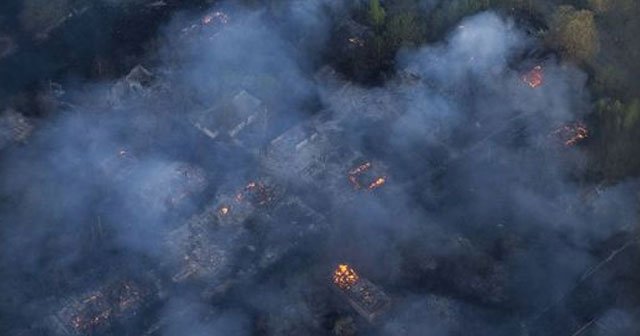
(229,176)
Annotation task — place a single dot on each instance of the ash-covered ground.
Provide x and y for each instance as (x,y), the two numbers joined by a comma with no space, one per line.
(237,182)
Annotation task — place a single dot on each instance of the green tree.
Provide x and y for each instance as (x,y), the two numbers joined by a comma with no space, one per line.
(377,14)
(614,153)
(403,29)
(574,33)
(631,114)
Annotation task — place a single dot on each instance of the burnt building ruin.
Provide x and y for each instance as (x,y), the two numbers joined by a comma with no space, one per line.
(240,120)
(107,308)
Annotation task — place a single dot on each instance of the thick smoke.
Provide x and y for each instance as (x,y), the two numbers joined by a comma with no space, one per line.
(481,229)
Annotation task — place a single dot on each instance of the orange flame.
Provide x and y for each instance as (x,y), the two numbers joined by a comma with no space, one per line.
(254,192)
(360,169)
(344,276)
(224,210)
(355,173)
(580,132)
(534,78)
(379,182)
(572,134)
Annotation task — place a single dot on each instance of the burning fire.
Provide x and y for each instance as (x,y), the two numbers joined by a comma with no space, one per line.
(344,276)
(355,173)
(360,169)
(254,192)
(572,134)
(224,210)
(94,314)
(534,78)
(259,191)
(379,182)
(101,308)
(213,20)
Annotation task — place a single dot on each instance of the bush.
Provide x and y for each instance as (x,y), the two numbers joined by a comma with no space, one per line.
(574,33)
(404,29)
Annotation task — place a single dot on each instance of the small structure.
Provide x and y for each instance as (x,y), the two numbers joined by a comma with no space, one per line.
(355,106)
(365,297)
(289,225)
(204,252)
(367,176)
(257,195)
(139,82)
(571,134)
(318,155)
(99,310)
(242,121)
(239,235)
(302,150)
(197,255)
(355,177)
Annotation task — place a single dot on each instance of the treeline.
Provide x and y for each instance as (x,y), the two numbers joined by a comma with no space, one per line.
(602,37)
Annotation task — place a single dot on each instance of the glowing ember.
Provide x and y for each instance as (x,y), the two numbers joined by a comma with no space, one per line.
(129,296)
(256,193)
(534,78)
(224,210)
(379,182)
(99,309)
(360,169)
(572,134)
(344,276)
(356,41)
(95,314)
(355,177)
(356,172)
(86,323)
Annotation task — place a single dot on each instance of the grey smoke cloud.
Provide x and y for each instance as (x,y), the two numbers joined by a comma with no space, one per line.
(466,146)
